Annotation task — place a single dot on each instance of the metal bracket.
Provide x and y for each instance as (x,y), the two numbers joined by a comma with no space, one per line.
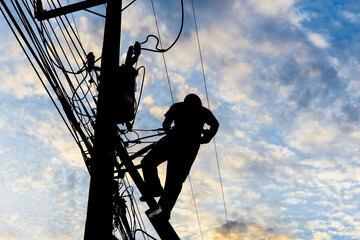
(41,14)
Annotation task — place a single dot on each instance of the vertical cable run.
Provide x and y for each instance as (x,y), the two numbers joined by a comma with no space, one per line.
(163,55)
(196,210)
(172,98)
(200,53)
(208,102)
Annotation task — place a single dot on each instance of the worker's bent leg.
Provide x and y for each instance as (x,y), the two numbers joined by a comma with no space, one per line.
(169,197)
(149,167)
(178,169)
(175,177)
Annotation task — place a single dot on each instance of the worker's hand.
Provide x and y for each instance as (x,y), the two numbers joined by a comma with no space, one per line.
(205,138)
(167,130)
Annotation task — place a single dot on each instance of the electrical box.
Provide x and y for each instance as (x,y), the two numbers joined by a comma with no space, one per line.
(122,96)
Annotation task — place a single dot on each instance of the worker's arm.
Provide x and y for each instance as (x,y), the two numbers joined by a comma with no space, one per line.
(167,124)
(169,118)
(210,133)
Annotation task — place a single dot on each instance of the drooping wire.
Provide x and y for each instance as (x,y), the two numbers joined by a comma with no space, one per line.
(140,94)
(208,103)
(144,232)
(73,89)
(66,35)
(138,211)
(158,39)
(54,79)
(34,46)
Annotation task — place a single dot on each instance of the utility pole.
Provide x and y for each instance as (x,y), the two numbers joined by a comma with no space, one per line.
(99,214)
(107,145)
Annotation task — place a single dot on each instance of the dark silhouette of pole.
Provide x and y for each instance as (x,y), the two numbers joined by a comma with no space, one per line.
(99,214)
(99,220)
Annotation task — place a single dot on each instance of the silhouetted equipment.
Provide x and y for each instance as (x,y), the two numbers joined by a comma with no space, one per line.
(91,63)
(119,213)
(123,87)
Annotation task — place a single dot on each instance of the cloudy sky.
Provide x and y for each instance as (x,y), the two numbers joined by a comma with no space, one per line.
(283,79)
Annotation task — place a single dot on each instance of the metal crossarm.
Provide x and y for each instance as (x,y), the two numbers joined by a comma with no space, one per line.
(41,14)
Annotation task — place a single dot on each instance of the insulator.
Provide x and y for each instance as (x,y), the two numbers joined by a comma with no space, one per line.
(137,49)
(91,61)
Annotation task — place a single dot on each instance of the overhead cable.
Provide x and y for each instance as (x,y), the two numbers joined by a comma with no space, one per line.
(208,103)
(170,89)
(158,39)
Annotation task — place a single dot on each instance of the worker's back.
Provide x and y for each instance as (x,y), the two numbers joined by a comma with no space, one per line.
(188,120)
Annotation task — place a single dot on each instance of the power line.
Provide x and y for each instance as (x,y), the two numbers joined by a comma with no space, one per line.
(32,64)
(208,102)
(196,210)
(163,55)
(158,38)
(41,42)
(42,59)
(172,98)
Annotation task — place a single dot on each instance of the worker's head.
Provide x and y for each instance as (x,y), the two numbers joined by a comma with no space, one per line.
(193,99)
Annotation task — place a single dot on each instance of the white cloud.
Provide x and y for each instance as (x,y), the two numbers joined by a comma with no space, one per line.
(3,151)
(158,112)
(311,135)
(233,85)
(7,235)
(235,73)
(240,230)
(240,134)
(319,163)
(294,201)
(177,79)
(354,88)
(21,81)
(54,133)
(270,48)
(322,236)
(266,119)
(273,8)
(149,100)
(353,17)
(91,35)
(264,169)
(318,40)
(281,9)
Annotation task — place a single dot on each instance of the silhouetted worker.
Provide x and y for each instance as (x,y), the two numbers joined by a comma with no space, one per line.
(179,147)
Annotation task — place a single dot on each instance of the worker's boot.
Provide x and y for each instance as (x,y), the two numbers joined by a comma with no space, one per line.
(152,192)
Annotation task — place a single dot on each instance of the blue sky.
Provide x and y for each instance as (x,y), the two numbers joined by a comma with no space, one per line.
(283,78)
